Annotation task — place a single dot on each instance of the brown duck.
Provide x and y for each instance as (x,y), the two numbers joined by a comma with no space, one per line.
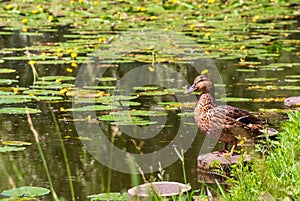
(224,123)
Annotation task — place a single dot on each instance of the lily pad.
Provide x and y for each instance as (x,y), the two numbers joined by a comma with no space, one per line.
(292,80)
(246,70)
(16,143)
(109,99)
(293,76)
(261,79)
(145,88)
(235,99)
(18,110)
(99,87)
(130,123)
(7,70)
(125,120)
(105,79)
(26,191)
(92,108)
(143,113)
(290,87)
(10,149)
(41,92)
(55,78)
(153,93)
(15,99)
(111,117)
(7,81)
(106,196)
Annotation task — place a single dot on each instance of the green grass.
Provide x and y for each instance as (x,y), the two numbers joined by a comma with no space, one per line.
(275,176)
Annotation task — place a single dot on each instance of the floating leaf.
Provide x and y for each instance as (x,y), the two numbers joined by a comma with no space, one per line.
(125,120)
(47,98)
(5,33)
(130,123)
(10,149)
(106,196)
(99,87)
(26,191)
(235,99)
(7,81)
(145,88)
(276,99)
(18,110)
(124,103)
(31,34)
(154,93)
(109,99)
(246,70)
(263,88)
(15,99)
(112,117)
(261,79)
(55,78)
(16,143)
(141,113)
(7,70)
(292,80)
(290,87)
(105,79)
(92,108)
(173,104)
(293,76)
(41,92)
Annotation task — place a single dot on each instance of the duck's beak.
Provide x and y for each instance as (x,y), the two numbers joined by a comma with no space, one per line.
(190,90)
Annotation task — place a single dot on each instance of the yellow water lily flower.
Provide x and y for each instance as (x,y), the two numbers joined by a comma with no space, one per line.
(74,64)
(25,21)
(74,55)
(31,62)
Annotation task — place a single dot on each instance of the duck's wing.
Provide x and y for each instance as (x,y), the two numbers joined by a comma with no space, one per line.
(240,115)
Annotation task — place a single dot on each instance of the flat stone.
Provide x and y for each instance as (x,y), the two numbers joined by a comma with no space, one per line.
(164,189)
(211,162)
(293,101)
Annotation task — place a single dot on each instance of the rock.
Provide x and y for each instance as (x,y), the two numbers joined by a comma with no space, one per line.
(293,101)
(144,192)
(214,162)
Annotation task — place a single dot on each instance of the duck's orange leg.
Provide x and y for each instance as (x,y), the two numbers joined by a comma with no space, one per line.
(233,148)
(224,150)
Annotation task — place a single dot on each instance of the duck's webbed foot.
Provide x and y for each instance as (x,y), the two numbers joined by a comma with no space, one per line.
(229,154)
(222,151)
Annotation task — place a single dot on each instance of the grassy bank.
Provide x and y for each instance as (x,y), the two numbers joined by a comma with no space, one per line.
(277,175)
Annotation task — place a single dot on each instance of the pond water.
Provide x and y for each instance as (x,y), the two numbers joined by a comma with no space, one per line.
(256,77)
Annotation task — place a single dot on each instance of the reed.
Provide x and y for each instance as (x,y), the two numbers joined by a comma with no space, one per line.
(36,137)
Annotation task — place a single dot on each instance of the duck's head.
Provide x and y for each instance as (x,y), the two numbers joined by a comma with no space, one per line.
(202,83)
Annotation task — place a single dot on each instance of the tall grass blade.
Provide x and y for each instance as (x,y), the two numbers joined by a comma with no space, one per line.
(36,137)
(64,154)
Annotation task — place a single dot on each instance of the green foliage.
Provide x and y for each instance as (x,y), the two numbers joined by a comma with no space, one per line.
(277,174)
